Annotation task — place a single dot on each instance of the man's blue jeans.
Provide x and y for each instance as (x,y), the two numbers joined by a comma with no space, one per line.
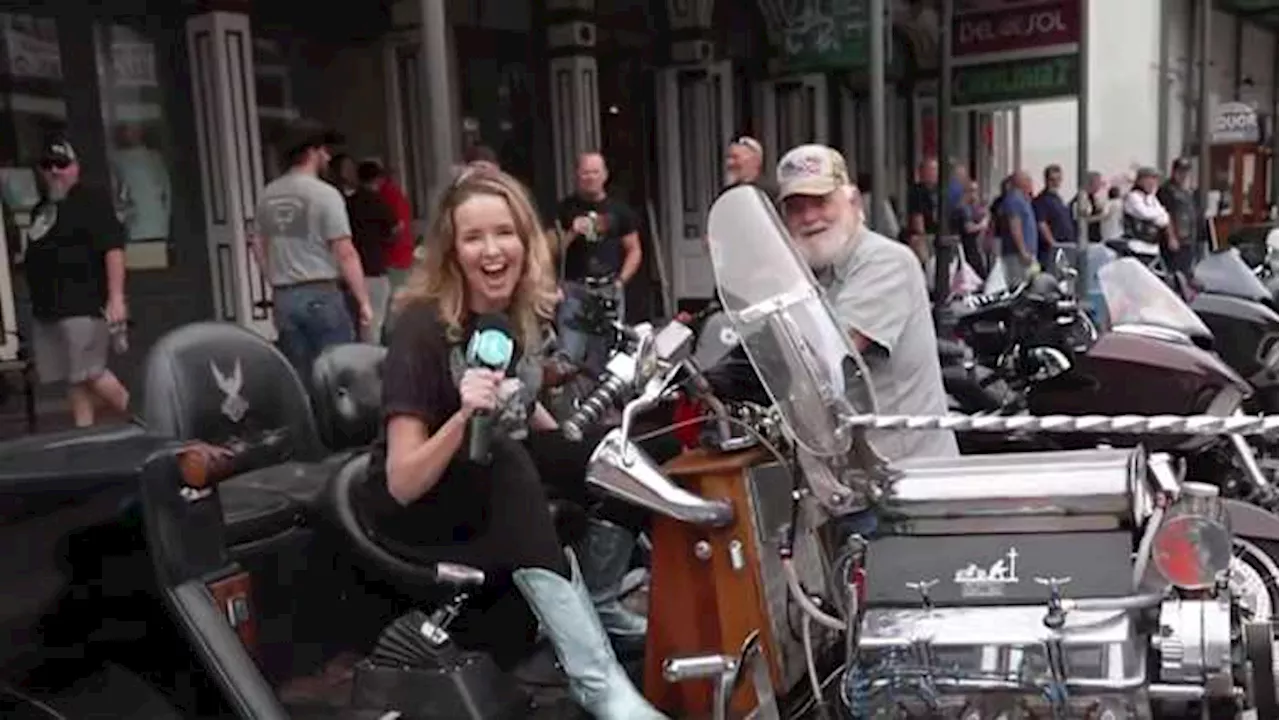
(309,318)
(585,350)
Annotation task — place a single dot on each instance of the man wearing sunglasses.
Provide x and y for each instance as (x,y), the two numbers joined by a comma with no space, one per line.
(75,272)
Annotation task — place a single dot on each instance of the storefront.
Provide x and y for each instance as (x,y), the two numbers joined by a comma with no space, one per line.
(180,116)
(115,80)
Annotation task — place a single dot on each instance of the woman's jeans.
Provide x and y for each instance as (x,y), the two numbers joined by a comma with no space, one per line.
(309,318)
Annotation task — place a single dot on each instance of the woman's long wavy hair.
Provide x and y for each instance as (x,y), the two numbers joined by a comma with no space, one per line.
(438,279)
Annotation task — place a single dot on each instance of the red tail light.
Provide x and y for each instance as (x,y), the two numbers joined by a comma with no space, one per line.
(687,409)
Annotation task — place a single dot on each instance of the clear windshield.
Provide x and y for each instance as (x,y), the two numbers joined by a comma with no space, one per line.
(1226,273)
(1134,296)
(808,366)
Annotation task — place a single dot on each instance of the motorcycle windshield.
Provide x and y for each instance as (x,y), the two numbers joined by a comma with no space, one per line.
(1226,273)
(807,365)
(1135,296)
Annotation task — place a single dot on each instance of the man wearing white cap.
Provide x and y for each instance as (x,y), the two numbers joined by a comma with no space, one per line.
(876,289)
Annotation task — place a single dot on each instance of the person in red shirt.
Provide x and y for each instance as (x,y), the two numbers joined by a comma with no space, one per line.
(399,255)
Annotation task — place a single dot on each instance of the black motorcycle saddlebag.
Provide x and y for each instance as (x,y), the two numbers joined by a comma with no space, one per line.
(997,569)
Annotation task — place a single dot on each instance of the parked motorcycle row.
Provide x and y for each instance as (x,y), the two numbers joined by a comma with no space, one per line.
(197,567)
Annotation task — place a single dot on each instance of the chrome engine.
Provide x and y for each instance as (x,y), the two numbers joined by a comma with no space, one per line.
(1034,585)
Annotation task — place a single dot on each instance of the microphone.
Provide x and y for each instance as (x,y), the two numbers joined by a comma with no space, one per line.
(491,347)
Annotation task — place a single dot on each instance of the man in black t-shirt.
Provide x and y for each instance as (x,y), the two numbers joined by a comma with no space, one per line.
(922,208)
(74,266)
(600,253)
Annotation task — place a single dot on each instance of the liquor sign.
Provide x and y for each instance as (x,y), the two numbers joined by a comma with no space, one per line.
(1005,52)
(1234,122)
(819,35)
(1017,28)
(1008,83)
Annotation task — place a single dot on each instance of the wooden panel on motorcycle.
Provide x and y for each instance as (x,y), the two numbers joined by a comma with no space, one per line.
(233,598)
(706,592)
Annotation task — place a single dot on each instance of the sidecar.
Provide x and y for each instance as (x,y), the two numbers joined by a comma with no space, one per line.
(215,564)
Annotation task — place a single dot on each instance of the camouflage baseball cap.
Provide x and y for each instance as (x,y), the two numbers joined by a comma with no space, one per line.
(811,170)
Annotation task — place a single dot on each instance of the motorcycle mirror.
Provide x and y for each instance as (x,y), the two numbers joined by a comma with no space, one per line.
(646,361)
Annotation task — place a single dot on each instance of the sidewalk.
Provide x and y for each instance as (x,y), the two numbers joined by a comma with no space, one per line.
(52,415)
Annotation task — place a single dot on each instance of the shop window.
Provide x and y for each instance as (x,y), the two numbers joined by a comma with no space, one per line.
(139,141)
(31,104)
(273,87)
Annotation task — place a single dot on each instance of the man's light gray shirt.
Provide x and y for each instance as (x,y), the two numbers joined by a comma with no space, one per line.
(878,289)
(299,215)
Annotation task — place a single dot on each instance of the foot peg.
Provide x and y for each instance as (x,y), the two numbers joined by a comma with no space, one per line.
(727,672)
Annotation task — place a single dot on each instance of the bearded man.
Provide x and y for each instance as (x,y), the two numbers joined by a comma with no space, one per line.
(876,290)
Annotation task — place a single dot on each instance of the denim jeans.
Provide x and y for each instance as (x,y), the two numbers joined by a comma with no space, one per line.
(310,318)
(585,350)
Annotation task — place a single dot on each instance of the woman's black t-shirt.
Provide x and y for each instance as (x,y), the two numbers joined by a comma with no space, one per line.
(420,379)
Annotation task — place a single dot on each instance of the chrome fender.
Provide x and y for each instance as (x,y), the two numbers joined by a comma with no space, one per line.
(1252,522)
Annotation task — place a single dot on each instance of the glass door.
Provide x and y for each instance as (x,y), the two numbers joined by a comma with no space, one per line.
(695,125)
(32,106)
(792,111)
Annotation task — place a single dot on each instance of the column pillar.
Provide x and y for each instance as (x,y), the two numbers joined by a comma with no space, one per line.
(441,120)
(230,151)
(695,104)
(575,99)
(8,307)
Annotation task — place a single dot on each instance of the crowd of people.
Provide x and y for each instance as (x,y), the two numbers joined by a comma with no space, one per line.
(1017,231)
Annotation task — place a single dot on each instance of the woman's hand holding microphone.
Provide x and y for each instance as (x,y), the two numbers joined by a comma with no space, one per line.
(479,390)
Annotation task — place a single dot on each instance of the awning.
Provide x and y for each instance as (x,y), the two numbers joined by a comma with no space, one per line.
(1262,12)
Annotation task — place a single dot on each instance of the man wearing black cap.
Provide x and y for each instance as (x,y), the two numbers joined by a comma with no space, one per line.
(1175,196)
(75,272)
(303,243)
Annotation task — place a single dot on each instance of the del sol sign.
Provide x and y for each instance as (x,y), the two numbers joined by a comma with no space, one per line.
(1014,81)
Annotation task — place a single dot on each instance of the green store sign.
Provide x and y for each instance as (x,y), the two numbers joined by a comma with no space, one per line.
(832,38)
(1016,81)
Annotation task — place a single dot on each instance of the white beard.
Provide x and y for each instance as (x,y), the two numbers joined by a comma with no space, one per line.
(823,249)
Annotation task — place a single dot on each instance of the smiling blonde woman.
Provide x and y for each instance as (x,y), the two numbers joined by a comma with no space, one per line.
(486,256)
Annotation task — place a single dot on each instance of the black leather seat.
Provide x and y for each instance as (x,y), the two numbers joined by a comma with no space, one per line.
(220,383)
(347,381)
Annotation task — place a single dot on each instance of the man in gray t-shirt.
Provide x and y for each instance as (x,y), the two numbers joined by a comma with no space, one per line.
(875,287)
(303,244)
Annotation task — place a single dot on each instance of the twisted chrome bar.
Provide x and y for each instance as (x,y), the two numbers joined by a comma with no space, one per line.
(1268,425)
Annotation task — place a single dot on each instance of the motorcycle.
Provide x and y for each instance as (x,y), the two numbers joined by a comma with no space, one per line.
(1240,312)
(153,575)
(924,587)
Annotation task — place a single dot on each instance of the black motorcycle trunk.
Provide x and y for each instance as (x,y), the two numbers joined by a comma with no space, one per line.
(1244,332)
(1134,373)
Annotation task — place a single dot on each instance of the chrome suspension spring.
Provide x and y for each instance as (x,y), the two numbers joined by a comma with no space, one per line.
(593,407)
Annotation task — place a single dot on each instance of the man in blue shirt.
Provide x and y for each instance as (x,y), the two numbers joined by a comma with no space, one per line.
(1019,232)
(1052,215)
